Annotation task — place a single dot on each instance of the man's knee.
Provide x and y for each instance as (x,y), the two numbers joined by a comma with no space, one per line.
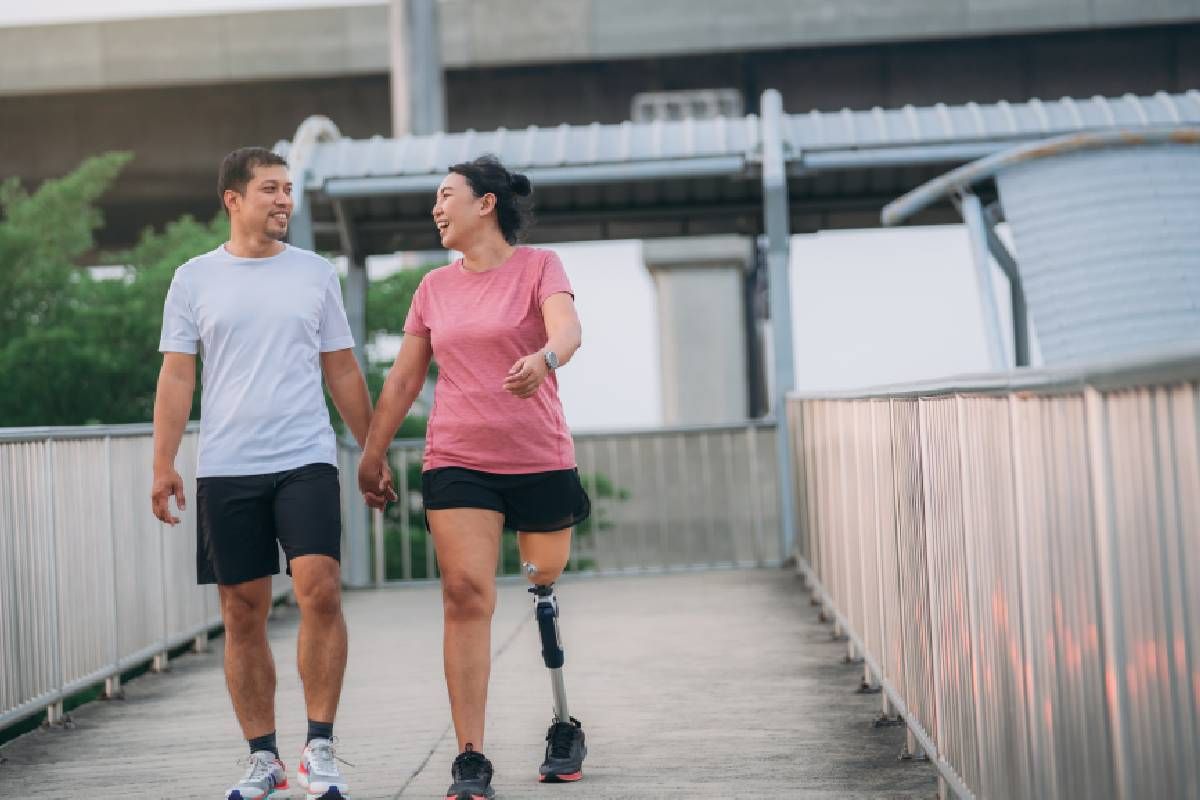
(466,598)
(317,583)
(244,609)
(322,597)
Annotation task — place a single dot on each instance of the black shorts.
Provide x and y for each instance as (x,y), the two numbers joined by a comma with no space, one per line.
(536,502)
(240,518)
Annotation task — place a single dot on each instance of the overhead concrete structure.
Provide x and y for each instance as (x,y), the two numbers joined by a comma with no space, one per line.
(349,40)
(181,92)
(417,77)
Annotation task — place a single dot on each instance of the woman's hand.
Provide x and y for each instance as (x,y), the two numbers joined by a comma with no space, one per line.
(526,375)
(375,482)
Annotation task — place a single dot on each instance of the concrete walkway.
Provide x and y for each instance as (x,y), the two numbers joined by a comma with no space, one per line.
(713,685)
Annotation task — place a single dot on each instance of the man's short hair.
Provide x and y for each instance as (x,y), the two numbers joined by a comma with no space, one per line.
(237,169)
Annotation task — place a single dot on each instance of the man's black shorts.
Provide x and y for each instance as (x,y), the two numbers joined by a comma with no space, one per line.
(240,519)
(537,502)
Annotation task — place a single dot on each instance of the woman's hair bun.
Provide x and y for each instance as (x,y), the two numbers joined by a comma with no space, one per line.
(519,184)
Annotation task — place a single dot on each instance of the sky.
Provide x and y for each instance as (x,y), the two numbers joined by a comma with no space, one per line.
(20,12)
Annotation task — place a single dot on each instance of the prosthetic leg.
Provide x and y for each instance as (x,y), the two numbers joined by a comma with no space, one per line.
(545,611)
(565,747)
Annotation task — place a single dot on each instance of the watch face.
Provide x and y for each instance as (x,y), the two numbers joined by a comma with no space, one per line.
(551,359)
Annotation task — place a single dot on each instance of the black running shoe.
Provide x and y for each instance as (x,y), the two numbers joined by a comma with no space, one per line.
(565,750)
(472,774)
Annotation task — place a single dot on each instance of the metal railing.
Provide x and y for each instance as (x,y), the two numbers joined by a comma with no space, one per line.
(91,584)
(662,500)
(1017,559)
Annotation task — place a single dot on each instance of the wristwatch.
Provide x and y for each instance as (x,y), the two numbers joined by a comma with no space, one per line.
(551,359)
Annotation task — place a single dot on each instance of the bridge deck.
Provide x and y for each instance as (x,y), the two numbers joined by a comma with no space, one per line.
(719,684)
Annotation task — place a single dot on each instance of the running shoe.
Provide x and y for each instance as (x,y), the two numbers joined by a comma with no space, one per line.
(472,774)
(565,751)
(265,774)
(318,773)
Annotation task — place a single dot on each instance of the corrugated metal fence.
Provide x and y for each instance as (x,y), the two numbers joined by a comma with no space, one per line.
(91,584)
(663,499)
(1019,562)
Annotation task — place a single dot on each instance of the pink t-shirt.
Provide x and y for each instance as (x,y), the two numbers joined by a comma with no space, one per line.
(479,324)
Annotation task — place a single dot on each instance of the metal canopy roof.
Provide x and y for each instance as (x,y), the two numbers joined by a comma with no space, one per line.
(643,180)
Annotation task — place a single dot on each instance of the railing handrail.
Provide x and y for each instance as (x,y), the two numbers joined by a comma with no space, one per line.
(732,427)
(42,433)
(1158,367)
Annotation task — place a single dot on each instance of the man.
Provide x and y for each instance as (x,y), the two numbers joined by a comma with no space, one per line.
(267,320)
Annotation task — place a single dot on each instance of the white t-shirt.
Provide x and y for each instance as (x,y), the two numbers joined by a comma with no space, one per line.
(259,326)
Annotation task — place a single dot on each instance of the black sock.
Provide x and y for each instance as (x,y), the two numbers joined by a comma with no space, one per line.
(264,743)
(319,730)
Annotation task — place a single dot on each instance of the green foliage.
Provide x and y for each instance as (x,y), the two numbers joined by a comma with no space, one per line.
(75,350)
(389,299)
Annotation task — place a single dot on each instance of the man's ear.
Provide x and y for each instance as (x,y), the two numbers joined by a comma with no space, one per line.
(230,199)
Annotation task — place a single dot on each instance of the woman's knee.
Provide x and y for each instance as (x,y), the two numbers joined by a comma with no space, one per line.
(468,597)
(541,574)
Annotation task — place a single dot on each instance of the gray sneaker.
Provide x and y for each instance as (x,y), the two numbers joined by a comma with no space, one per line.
(318,773)
(265,773)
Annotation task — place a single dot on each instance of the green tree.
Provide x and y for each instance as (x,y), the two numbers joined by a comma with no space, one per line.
(75,350)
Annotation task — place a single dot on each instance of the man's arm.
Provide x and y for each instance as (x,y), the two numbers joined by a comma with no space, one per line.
(403,384)
(172,406)
(348,389)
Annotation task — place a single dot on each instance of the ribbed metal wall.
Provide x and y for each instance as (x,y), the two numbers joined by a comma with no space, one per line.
(1021,564)
(1108,241)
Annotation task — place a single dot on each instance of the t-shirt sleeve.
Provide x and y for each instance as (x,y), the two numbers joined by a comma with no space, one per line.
(180,333)
(416,322)
(553,278)
(335,328)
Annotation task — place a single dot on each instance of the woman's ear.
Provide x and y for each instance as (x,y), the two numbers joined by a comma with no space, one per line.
(487,204)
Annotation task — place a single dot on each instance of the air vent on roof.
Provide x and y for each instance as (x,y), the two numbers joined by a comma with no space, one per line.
(691,104)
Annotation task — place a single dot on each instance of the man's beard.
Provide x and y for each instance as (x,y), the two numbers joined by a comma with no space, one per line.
(277,235)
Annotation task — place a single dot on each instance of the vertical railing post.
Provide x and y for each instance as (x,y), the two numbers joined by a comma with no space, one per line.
(405,512)
(1112,629)
(660,475)
(159,664)
(55,713)
(112,685)
(377,540)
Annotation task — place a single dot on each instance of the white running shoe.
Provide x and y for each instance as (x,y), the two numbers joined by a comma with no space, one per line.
(318,773)
(264,775)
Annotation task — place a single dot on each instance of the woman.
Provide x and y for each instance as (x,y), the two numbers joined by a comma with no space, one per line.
(499,321)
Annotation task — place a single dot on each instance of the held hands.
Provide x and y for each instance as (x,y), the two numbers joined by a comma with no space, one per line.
(526,375)
(375,482)
(167,483)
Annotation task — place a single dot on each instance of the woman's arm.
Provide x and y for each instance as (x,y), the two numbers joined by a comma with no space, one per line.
(403,384)
(564,335)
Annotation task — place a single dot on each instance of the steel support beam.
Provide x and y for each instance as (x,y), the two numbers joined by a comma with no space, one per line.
(778,235)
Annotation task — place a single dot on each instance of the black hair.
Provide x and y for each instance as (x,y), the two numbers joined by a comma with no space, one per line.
(238,167)
(514,210)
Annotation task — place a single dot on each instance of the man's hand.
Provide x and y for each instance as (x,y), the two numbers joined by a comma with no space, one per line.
(375,482)
(526,375)
(167,483)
